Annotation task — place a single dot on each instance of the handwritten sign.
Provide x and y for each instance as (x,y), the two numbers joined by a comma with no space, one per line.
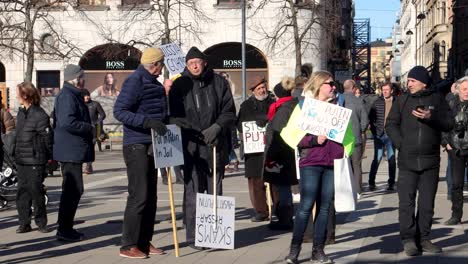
(167,148)
(253,137)
(322,118)
(215,231)
(174,58)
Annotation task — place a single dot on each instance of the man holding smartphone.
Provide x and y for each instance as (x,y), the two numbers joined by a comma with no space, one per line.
(414,124)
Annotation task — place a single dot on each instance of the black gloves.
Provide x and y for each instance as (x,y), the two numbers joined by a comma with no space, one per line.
(262,122)
(210,134)
(180,122)
(157,125)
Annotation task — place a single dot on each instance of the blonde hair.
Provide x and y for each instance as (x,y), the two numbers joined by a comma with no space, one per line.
(315,81)
(288,83)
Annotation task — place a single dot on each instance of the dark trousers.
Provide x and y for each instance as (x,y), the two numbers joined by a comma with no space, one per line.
(356,163)
(380,144)
(315,180)
(31,192)
(416,227)
(258,195)
(72,189)
(140,212)
(458,164)
(198,178)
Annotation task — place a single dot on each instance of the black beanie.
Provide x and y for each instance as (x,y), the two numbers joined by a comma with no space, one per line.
(85,92)
(193,53)
(421,74)
(280,91)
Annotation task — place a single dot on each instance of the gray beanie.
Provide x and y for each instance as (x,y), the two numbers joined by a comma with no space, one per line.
(72,72)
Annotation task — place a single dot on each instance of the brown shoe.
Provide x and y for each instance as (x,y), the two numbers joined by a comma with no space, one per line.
(133,253)
(155,251)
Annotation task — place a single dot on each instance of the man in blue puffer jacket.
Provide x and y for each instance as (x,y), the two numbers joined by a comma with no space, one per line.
(73,145)
(141,106)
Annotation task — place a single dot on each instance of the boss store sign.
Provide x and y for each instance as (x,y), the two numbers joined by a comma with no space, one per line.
(115,65)
(229,56)
(111,57)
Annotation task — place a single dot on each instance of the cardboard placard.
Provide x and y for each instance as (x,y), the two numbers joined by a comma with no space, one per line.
(174,58)
(322,118)
(167,148)
(215,230)
(253,137)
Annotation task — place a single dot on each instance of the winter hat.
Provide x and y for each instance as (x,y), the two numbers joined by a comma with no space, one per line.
(72,72)
(151,55)
(421,74)
(256,81)
(85,92)
(193,53)
(284,88)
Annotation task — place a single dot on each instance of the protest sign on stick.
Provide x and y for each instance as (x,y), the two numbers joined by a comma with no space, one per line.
(253,137)
(215,231)
(173,216)
(167,149)
(174,58)
(322,118)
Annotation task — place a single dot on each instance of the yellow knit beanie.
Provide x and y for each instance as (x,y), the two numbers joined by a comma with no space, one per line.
(151,55)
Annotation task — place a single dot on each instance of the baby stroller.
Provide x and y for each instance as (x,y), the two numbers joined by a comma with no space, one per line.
(8,173)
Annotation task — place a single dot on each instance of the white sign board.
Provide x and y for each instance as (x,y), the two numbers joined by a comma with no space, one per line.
(253,137)
(322,118)
(174,58)
(215,231)
(167,148)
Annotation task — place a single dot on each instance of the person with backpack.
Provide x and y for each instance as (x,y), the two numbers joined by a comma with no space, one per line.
(414,124)
(34,139)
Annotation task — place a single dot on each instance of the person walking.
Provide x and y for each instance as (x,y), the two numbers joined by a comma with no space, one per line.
(457,146)
(32,151)
(141,106)
(255,109)
(201,103)
(360,121)
(414,125)
(97,115)
(378,117)
(73,145)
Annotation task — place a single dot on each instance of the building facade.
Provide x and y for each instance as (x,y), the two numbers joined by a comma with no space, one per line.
(381,51)
(110,34)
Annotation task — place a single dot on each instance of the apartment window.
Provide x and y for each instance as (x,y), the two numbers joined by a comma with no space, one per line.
(48,43)
(443,10)
(91,2)
(443,51)
(48,82)
(135,2)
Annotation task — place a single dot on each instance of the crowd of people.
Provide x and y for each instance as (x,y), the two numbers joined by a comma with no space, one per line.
(412,126)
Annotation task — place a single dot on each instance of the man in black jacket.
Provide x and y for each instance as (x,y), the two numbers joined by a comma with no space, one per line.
(97,115)
(378,116)
(203,100)
(414,124)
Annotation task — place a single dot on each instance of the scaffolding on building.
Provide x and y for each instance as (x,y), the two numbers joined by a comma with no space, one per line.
(361,53)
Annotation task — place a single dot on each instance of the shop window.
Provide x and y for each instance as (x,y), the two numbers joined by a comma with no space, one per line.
(135,2)
(48,82)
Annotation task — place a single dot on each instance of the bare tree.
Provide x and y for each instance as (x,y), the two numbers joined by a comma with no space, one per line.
(299,23)
(20,23)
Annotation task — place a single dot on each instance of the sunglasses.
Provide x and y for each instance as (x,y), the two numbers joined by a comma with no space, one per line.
(330,83)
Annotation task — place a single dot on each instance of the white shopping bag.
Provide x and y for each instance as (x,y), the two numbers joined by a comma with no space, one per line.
(345,186)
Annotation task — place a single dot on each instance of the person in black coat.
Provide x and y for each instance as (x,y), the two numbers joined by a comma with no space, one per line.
(32,151)
(201,103)
(97,115)
(256,109)
(414,124)
(73,145)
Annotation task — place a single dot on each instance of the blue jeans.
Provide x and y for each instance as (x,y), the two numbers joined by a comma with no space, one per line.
(314,180)
(379,144)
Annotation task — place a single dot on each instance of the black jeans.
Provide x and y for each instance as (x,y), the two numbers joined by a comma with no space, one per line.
(31,192)
(458,179)
(198,178)
(72,189)
(416,227)
(140,212)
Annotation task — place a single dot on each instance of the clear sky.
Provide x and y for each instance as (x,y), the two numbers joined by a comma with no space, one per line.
(382,14)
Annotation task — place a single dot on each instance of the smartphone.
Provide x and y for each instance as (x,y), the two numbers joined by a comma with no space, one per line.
(421,107)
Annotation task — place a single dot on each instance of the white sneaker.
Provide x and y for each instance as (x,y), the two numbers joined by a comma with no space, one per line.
(296,197)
